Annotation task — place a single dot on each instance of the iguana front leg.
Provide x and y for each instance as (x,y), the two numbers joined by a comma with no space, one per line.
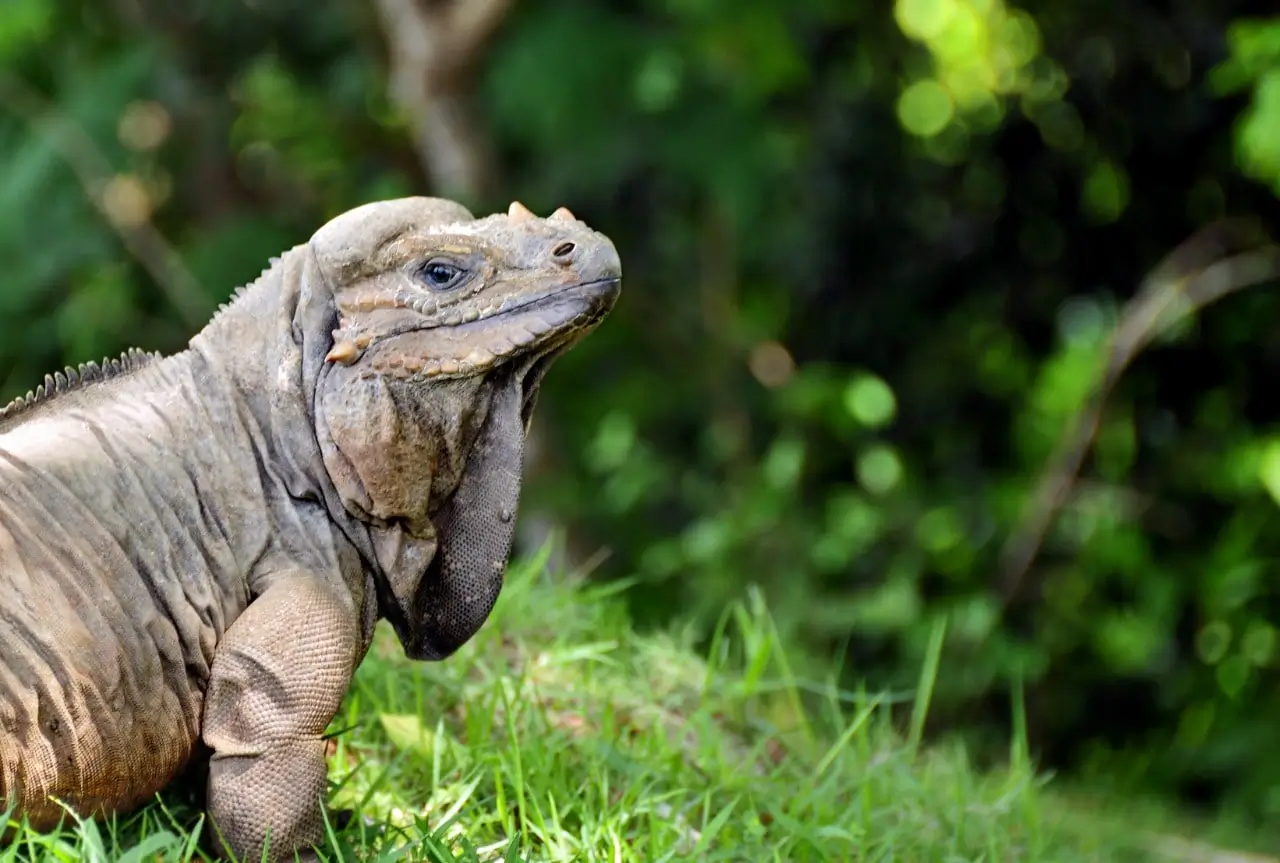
(277,679)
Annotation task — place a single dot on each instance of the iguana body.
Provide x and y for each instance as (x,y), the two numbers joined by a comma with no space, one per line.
(194,549)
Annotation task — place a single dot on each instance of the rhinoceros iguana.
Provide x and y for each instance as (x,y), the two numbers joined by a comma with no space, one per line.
(194,549)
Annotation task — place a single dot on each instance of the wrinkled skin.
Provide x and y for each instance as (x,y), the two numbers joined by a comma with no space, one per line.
(194,549)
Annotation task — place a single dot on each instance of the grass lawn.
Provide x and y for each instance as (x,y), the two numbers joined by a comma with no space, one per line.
(559,734)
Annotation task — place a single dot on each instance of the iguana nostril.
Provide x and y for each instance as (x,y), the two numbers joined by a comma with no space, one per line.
(563,249)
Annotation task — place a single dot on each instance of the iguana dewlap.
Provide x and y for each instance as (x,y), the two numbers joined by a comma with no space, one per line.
(195,548)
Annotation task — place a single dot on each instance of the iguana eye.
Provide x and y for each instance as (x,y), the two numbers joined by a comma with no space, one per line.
(442,275)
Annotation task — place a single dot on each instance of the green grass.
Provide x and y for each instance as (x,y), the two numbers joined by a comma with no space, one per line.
(560,734)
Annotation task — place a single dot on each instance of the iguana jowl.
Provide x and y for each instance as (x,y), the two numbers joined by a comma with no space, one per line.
(196,548)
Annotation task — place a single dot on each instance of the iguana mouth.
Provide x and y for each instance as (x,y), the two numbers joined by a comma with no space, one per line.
(568,313)
(540,325)
(598,286)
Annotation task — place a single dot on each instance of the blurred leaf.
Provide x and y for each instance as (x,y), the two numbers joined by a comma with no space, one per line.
(24,23)
(408,734)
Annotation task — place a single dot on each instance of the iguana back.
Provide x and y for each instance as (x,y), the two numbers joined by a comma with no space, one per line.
(127,520)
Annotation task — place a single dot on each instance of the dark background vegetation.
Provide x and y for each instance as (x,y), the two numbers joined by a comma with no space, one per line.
(873,251)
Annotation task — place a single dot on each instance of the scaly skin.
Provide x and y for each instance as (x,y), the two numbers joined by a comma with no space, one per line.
(194,549)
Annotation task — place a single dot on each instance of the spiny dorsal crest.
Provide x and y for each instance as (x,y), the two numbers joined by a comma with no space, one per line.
(73,379)
(239,292)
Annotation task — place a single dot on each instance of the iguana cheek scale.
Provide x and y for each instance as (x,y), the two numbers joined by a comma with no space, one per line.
(194,549)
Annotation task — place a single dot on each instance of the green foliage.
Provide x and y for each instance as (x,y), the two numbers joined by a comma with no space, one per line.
(1254,62)
(981,51)
(733,449)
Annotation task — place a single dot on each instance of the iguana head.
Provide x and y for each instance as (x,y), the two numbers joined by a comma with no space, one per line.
(442,295)
(442,327)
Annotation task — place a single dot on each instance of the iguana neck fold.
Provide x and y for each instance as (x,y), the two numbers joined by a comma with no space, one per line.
(262,360)
(262,354)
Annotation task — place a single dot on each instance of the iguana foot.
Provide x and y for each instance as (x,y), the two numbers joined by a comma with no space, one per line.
(277,679)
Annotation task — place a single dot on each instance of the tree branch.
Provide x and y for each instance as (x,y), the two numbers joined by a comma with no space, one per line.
(433,47)
(1188,280)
